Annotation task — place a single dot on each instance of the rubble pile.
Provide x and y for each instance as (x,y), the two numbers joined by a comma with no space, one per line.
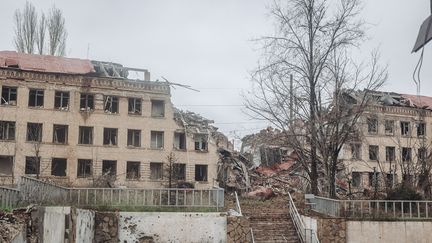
(11,224)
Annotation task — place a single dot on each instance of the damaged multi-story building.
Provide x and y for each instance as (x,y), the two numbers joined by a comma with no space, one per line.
(393,141)
(78,121)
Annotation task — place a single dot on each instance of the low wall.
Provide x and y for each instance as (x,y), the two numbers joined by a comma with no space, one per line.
(55,224)
(172,227)
(238,229)
(396,231)
(332,230)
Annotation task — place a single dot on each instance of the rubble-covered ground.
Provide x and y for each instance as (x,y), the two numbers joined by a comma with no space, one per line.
(11,223)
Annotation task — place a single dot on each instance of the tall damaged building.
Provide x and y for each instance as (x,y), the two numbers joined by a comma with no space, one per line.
(78,121)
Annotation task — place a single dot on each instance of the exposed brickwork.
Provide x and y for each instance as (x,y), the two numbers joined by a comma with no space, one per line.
(238,229)
(106,227)
(331,230)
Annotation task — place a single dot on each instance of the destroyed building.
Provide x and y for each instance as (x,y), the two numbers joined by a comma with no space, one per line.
(393,141)
(75,121)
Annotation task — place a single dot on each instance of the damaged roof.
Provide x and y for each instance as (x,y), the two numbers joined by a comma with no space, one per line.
(45,63)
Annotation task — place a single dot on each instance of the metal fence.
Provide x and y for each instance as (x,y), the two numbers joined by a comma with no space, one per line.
(379,209)
(306,235)
(9,197)
(41,192)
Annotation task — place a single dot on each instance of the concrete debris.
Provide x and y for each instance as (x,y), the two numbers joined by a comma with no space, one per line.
(262,193)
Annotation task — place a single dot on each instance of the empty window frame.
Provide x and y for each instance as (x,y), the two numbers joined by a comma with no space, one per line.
(134,138)
(157,140)
(58,166)
(372,125)
(132,170)
(389,127)
(355,151)
(390,154)
(60,134)
(405,128)
(109,167)
(422,154)
(34,132)
(85,135)
(9,96)
(406,154)
(32,165)
(373,152)
(156,171)
(356,179)
(110,136)
(111,104)
(179,171)
(61,100)
(6,165)
(7,130)
(200,142)
(373,179)
(180,140)
(36,98)
(421,129)
(157,108)
(86,102)
(84,168)
(134,106)
(201,173)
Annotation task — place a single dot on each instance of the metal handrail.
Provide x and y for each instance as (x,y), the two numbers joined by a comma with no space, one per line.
(306,235)
(238,204)
(252,235)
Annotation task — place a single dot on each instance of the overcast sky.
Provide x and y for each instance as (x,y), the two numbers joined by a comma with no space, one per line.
(206,44)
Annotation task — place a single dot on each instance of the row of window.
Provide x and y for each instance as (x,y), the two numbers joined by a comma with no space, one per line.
(390,151)
(389,127)
(374,179)
(110,136)
(109,167)
(62,99)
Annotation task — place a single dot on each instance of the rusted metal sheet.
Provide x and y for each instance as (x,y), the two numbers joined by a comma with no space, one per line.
(42,63)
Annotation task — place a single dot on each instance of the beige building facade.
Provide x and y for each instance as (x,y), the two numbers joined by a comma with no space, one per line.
(77,126)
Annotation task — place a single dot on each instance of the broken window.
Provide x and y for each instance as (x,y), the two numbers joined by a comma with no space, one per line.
(372,125)
(390,180)
(158,108)
(32,165)
(180,140)
(133,170)
(111,104)
(200,142)
(156,171)
(7,130)
(373,152)
(6,165)
(61,100)
(87,102)
(110,136)
(389,127)
(355,151)
(200,172)
(373,179)
(157,140)
(356,179)
(9,96)
(36,98)
(422,154)
(34,132)
(60,134)
(85,135)
(404,128)
(134,106)
(134,138)
(109,167)
(390,154)
(179,171)
(421,129)
(58,167)
(84,168)
(406,154)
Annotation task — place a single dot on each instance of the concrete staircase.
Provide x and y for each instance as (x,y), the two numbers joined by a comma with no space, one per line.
(270,220)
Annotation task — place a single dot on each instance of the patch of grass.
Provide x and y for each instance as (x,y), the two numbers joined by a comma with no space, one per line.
(6,209)
(108,208)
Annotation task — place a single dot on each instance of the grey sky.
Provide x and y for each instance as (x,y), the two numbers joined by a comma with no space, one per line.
(206,44)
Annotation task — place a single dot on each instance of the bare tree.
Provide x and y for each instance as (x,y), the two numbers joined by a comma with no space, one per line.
(25,28)
(40,39)
(57,32)
(311,45)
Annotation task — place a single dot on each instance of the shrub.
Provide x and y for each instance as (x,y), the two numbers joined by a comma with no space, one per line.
(404,192)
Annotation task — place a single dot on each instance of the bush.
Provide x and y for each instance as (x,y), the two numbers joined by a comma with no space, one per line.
(404,192)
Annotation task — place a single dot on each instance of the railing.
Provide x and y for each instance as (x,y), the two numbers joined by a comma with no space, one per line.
(9,197)
(306,235)
(238,208)
(41,192)
(380,209)
(165,197)
(252,236)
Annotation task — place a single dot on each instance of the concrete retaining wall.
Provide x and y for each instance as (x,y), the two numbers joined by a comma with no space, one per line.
(54,224)
(172,227)
(380,231)
(84,228)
